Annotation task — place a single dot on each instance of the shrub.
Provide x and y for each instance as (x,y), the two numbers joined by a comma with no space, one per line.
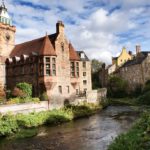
(144,99)
(44,97)
(18,100)
(8,125)
(18,93)
(117,87)
(146,87)
(26,89)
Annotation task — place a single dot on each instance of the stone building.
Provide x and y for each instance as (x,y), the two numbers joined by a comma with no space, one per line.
(50,63)
(137,70)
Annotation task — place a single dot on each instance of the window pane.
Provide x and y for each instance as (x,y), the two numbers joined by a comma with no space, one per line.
(48,72)
(84,64)
(47,59)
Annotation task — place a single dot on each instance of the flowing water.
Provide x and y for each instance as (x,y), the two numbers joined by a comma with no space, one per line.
(93,133)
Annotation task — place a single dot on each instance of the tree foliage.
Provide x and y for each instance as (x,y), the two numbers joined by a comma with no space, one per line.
(96,66)
(117,87)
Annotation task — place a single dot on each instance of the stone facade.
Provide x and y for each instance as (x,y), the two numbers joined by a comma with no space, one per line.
(50,63)
(136,71)
(55,67)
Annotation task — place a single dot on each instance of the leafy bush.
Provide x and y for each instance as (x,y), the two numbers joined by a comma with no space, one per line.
(117,87)
(32,119)
(8,125)
(144,99)
(11,124)
(18,100)
(44,97)
(26,89)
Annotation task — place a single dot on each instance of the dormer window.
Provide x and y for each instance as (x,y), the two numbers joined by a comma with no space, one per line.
(82,55)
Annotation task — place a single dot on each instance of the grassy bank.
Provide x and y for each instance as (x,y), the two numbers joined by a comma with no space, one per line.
(137,138)
(12,124)
(123,101)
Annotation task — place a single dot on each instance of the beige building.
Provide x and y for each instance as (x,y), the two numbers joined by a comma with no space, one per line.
(50,63)
(120,60)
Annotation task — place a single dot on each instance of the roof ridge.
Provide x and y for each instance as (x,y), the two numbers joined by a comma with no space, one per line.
(30,41)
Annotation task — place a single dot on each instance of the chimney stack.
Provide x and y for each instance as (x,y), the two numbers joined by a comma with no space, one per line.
(138,49)
(130,53)
(60,27)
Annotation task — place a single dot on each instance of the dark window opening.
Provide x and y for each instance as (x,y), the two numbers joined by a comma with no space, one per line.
(60,89)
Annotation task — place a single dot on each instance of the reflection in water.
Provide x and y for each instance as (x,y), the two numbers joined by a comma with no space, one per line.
(94,133)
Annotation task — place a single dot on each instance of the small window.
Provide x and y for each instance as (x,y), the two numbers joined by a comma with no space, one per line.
(60,89)
(47,66)
(82,55)
(84,64)
(72,68)
(54,66)
(47,59)
(48,73)
(68,89)
(84,82)
(84,74)
(62,47)
(77,92)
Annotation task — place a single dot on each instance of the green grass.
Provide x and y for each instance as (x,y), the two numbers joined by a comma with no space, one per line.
(137,138)
(123,101)
(12,124)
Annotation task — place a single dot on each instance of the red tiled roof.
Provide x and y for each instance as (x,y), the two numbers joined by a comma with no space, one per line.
(41,46)
(72,52)
(47,48)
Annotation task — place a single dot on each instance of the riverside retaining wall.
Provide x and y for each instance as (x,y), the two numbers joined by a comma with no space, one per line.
(94,96)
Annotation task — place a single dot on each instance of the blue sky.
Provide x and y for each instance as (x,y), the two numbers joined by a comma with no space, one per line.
(100,27)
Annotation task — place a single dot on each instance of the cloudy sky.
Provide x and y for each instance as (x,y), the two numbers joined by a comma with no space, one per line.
(100,27)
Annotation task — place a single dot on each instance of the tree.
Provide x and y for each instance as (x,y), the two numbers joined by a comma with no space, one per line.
(96,65)
(117,87)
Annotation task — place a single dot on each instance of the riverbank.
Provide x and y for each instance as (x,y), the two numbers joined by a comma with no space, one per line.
(88,133)
(137,138)
(11,124)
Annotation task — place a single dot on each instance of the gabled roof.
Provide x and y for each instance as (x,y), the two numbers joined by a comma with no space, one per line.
(36,46)
(137,59)
(47,48)
(73,54)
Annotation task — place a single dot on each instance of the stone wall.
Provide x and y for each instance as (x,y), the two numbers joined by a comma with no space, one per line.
(136,75)
(94,96)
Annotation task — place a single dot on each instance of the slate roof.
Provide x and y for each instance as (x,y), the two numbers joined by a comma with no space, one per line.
(82,59)
(137,59)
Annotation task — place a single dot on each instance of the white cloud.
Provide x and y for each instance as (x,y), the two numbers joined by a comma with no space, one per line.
(96,29)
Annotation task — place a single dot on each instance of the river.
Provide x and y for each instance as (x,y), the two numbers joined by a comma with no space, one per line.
(93,133)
